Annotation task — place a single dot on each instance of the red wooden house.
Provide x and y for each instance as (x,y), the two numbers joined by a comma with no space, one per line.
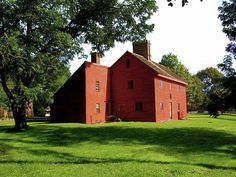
(134,88)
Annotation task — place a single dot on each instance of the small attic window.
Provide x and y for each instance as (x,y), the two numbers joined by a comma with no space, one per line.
(127,63)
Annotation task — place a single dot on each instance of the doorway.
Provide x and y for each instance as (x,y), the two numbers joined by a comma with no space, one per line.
(108,108)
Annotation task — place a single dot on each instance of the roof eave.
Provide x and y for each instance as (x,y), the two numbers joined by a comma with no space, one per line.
(172,79)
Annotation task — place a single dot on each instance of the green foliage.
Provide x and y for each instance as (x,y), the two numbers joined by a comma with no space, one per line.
(39,37)
(194,89)
(228,18)
(48,88)
(209,77)
(199,146)
(214,91)
(171,61)
(3,99)
(195,95)
(183,2)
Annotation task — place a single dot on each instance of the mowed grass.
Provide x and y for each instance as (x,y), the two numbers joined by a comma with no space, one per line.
(197,147)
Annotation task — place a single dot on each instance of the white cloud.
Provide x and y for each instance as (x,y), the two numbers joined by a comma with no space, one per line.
(193,32)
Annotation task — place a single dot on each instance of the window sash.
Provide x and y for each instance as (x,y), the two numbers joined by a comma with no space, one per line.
(161,106)
(98,107)
(130,84)
(97,86)
(139,107)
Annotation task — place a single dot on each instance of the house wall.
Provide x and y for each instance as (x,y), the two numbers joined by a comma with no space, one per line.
(170,96)
(69,101)
(123,98)
(95,72)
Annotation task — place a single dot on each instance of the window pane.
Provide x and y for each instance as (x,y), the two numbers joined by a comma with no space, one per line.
(98,107)
(130,84)
(139,107)
(161,106)
(97,86)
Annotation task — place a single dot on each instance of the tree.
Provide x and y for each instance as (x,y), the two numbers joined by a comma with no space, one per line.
(214,92)
(194,89)
(216,100)
(37,36)
(228,18)
(48,88)
(210,77)
(195,94)
(184,2)
(171,61)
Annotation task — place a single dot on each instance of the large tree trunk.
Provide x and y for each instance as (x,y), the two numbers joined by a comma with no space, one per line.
(17,102)
(20,120)
(20,124)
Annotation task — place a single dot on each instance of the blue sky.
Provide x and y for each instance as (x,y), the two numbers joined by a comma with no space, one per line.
(193,33)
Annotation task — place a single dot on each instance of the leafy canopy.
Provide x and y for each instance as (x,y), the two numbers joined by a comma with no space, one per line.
(228,18)
(39,37)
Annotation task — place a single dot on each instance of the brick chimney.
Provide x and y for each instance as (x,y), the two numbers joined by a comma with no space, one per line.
(95,57)
(142,48)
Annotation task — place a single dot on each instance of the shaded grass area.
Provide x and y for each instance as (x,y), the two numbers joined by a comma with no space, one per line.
(199,146)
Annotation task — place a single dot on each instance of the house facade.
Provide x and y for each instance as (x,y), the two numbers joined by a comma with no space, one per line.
(134,88)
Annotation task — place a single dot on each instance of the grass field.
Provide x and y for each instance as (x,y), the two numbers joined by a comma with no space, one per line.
(198,147)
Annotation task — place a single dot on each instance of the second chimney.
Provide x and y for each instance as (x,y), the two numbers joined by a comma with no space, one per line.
(95,58)
(142,48)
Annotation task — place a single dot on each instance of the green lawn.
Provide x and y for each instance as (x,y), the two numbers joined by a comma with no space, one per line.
(200,146)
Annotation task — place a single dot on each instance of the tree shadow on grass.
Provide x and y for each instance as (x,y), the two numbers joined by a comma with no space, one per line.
(177,140)
(69,159)
(227,117)
(192,139)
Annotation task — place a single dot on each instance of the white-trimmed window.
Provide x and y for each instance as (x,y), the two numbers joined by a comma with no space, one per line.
(161,106)
(97,86)
(98,107)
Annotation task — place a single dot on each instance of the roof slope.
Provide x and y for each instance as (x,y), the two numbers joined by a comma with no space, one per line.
(160,69)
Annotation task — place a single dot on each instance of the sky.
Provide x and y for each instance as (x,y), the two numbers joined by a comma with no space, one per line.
(193,33)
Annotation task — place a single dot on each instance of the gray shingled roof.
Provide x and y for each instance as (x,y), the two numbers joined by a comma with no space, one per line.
(160,69)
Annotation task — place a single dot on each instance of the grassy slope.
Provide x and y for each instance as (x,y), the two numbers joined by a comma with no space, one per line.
(200,146)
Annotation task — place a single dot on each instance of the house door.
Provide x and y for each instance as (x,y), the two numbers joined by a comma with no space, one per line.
(170,105)
(108,108)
